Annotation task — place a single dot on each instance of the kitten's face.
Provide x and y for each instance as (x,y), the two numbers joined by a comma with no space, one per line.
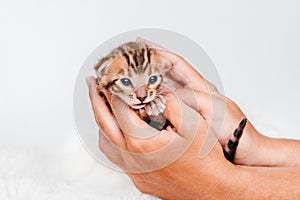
(133,72)
(135,86)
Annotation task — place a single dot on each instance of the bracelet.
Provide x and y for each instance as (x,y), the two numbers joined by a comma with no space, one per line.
(233,143)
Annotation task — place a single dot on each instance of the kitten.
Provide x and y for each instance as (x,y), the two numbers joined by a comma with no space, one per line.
(135,73)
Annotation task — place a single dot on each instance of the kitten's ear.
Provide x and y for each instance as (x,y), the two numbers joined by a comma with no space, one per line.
(166,63)
(101,66)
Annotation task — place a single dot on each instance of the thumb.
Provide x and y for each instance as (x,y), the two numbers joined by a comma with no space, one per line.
(199,101)
(129,121)
(212,107)
(184,118)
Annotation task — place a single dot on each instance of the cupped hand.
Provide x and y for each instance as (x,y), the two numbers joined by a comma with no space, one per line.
(222,114)
(225,118)
(154,158)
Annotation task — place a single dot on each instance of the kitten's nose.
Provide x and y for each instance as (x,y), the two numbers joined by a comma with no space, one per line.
(141,98)
(141,93)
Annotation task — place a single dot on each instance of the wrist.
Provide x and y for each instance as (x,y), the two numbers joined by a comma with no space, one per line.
(256,149)
(280,152)
(252,149)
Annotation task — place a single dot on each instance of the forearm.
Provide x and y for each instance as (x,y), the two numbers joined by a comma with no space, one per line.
(212,177)
(239,182)
(284,152)
(256,149)
(242,182)
(270,183)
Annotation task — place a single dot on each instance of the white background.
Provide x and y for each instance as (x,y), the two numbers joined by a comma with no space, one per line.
(255,46)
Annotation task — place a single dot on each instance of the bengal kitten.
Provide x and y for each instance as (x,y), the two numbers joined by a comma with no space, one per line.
(136,74)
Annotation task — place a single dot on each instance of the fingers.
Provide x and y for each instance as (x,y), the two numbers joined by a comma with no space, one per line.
(135,130)
(211,107)
(139,136)
(103,116)
(213,110)
(184,118)
(182,71)
(147,42)
(199,101)
(111,152)
(172,57)
(128,120)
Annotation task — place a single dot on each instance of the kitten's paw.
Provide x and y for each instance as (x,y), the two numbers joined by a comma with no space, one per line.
(161,99)
(152,109)
(156,106)
(160,104)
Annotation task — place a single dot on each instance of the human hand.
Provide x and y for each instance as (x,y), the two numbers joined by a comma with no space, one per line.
(181,71)
(221,113)
(225,117)
(162,163)
(188,177)
(226,120)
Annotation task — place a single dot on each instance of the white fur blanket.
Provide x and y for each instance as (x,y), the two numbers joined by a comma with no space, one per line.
(41,174)
(35,175)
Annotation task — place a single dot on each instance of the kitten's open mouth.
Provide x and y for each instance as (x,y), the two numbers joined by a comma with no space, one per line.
(138,106)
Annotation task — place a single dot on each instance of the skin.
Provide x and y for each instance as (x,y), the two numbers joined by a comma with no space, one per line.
(254,148)
(190,176)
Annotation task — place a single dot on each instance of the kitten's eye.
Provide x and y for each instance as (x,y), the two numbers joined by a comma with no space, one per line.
(125,81)
(152,79)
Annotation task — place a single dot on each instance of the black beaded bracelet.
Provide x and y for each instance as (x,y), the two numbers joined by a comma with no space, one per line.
(232,144)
